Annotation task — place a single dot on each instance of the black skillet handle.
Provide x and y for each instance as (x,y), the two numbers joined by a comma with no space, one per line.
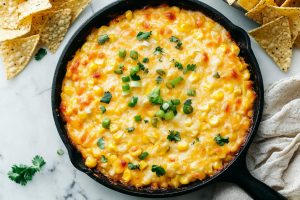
(240,175)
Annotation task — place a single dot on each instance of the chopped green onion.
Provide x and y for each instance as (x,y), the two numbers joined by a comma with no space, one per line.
(146,121)
(103,38)
(221,140)
(132,166)
(160,114)
(161,72)
(106,123)
(189,67)
(120,69)
(154,121)
(103,159)
(155,97)
(101,143)
(158,51)
(125,79)
(122,53)
(135,77)
(138,118)
(126,87)
(191,92)
(216,75)
(165,106)
(175,102)
(106,98)
(145,60)
(169,115)
(135,84)
(159,79)
(187,107)
(103,109)
(178,65)
(130,129)
(133,101)
(134,70)
(172,83)
(60,152)
(174,136)
(160,171)
(143,155)
(143,35)
(125,93)
(134,55)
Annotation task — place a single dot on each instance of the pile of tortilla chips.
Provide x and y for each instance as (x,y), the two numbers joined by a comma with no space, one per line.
(27,24)
(280,27)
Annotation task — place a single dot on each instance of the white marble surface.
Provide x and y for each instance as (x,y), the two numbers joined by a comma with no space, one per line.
(27,127)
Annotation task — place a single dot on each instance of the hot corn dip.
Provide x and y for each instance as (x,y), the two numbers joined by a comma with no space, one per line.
(159,98)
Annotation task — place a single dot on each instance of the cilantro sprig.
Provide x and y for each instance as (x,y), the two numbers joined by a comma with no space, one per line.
(174,136)
(22,174)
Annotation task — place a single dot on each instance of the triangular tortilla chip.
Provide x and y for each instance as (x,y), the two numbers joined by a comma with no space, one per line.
(291,3)
(230,2)
(297,41)
(55,28)
(76,6)
(248,4)
(256,13)
(275,38)
(31,7)
(17,54)
(271,13)
(9,14)
(22,29)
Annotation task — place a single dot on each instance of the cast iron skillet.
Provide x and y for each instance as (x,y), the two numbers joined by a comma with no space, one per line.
(236,171)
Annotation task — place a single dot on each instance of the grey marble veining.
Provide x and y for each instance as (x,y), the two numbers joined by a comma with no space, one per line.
(27,126)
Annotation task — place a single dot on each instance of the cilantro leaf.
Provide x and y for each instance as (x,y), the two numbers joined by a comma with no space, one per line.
(40,54)
(103,159)
(178,65)
(143,155)
(176,40)
(101,143)
(174,136)
(159,79)
(158,51)
(106,98)
(132,166)
(189,67)
(143,35)
(160,171)
(221,140)
(21,174)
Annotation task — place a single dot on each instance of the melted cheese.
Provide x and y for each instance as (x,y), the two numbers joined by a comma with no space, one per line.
(221,105)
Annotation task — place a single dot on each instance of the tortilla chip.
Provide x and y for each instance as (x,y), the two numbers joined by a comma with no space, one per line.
(55,28)
(275,38)
(31,7)
(248,4)
(17,54)
(76,6)
(230,2)
(291,3)
(9,14)
(271,13)
(256,13)
(38,21)
(22,29)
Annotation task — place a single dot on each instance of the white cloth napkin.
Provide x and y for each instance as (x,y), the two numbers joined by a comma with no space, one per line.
(274,156)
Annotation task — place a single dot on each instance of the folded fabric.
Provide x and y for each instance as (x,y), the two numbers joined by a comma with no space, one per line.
(274,156)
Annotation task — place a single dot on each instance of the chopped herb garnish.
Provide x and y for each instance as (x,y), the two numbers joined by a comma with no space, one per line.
(125,79)
(187,107)
(132,166)
(169,115)
(177,41)
(135,77)
(155,97)
(134,70)
(103,109)
(133,101)
(165,106)
(174,136)
(175,102)
(122,53)
(160,171)
(216,75)
(130,129)
(143,155)
(160,114)
(191,92)
(154,121)
(101,143)
(138,118)
(178,65)
(145,60)
(143,35)
(126,87)
(60,152)
(135,84)
(172,83)
(134,55)
(103,38)
(158,51)
(40,54)
(120,69)
(159,79)
(146,121)
(106,98)
(189,67)
(103,159)
(106,123)
(161,72)
(221,140)
(22,174)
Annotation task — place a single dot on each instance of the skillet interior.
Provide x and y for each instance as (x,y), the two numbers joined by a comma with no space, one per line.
(105,15)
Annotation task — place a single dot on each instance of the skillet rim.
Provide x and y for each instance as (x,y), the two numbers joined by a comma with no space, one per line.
(243,41)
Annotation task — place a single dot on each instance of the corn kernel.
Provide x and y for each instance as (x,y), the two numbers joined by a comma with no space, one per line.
(143,165)
(96,152)
(118,135)
(214,120)
(112,146)
(68,90)
(237,91)
(145,139)
(113,128)
(82,115)
(217,165)
(194,77)
(126,175)
(219,95)
(93,67)
(113,158)
(184,180)
(117,167)
(135,151)
(246,75)
(228,88)
(112,37)
(128,14)
(182,146)
(204,107)
(188,122)
(98,90)
(91,83)
(90,162)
